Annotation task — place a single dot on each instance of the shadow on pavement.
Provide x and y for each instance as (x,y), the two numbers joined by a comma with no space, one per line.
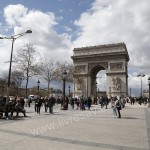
(130,118)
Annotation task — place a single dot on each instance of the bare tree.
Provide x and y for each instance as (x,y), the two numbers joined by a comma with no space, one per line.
(61,66)
(14,82)
(2,86)
(48,72)
(16,78)
(27,60)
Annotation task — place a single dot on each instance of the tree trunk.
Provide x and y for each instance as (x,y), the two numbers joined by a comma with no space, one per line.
(48,89)
(27,83)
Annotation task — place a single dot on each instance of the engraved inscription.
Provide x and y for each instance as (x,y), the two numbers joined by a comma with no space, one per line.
(116,66)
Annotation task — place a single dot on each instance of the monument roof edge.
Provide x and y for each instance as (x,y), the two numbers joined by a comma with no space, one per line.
(101,46)
(101,55)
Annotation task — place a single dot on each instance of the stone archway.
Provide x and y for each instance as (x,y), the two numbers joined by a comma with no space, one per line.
(93,70)
(88,61)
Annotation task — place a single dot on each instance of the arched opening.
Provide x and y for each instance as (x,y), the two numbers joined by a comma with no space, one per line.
(101,80)
(98,81)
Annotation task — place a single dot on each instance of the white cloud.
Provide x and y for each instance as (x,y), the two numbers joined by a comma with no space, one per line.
(44,37)
(113,21)
(14,13)
(67,29)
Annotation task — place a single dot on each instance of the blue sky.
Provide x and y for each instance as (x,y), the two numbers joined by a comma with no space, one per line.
(59,26)
(66,11)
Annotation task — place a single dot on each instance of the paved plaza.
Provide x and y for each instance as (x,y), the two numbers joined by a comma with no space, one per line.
(76,129)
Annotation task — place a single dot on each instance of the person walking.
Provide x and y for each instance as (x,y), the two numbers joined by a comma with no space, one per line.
(29,102)
(78,103)
(132,100)
(46,103)
(82,103)
(51,103)
(118,106)
(39,104)
(89,102)
(67,102)
(114,108)
(106,101)
(72,103)
(36,104)
(102,101)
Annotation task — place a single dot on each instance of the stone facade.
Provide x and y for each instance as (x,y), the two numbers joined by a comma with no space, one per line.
(88,61)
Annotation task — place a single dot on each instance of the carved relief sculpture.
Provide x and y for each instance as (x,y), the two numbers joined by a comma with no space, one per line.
(78,82)
(116,82)
(80,68)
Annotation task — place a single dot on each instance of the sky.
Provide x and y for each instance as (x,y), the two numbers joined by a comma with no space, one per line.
(59,26)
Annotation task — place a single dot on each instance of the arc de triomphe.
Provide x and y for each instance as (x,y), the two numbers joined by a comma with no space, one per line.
(88,61)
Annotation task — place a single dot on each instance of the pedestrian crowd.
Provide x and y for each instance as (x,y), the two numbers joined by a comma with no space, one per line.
(18,104)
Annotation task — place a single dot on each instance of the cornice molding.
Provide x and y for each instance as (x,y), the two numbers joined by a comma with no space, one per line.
(116,73)
(101,50)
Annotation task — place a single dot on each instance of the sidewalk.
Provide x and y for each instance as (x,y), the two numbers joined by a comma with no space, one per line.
(76,129)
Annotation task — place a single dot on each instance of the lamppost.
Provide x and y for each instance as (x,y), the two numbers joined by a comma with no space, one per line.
(110,91)
(98,92)
(38,85)
(64,88)
(69,91)
(130,92)
(141,75)
(149,92)
(13,38)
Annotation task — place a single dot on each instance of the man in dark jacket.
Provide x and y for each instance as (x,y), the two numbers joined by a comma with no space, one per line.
(51,103)
(89,101)
(46,104)
(39,104)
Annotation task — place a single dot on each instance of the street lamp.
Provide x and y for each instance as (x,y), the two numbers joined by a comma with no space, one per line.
(141,75)
(38,85)
(64,86)
(149,91)
(110,91)
(69,91)
(130,92)
(96,93)
(13,38)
